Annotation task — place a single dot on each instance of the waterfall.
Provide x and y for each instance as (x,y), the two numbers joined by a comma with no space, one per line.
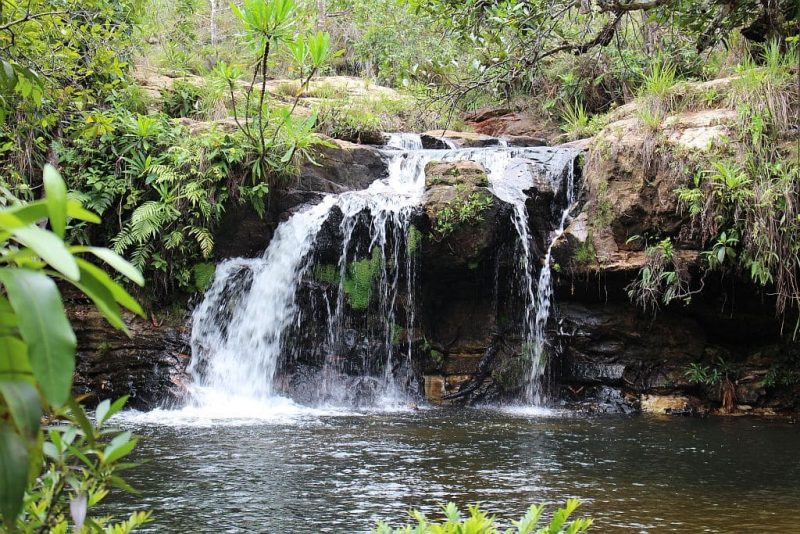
(242,332)
(536,337)
(238,329)
(404,141)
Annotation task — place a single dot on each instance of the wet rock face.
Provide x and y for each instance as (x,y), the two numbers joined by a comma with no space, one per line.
(150,365)
(343,167)
(463,225)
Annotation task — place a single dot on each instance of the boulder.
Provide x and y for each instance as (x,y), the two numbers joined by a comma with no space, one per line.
(462,215)
(523,141)
(507,123)
(455,173)
(438,139)
(343,167)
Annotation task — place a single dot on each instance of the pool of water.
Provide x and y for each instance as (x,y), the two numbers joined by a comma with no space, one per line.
(340,472)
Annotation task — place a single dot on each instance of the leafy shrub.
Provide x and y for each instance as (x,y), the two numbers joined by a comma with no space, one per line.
(183,100)
(479,522)
(73,466)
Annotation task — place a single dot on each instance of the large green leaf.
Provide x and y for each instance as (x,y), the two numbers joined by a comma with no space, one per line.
(76,210)
(56,197)
(102,298)
(9,221)
(115,261)
(14,363)
(45,328)
(121,297)
(23,404)
(50,248)
(35,211)
(13,473)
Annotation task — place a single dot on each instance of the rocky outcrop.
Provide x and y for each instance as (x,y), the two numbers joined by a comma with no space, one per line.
(439,139)
(515,126)
(149,365)
(343,166)
(464,220)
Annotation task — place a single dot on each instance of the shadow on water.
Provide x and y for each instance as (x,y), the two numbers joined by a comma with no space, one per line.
(339,472)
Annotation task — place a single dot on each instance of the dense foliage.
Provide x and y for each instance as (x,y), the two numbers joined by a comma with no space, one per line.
(71,464)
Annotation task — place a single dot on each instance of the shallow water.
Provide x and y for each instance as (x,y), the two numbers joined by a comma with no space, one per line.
(325,471)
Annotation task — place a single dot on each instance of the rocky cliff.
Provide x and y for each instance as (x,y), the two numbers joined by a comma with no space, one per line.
(607,354)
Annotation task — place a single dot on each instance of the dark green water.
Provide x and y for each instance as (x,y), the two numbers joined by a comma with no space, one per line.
(343,473)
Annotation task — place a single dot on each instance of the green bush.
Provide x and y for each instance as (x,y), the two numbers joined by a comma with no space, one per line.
(479,522)
(53,474)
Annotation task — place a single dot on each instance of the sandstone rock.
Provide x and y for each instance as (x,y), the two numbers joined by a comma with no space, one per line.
(462,215)
(506,123)
(434,139)
(344,167)
(434,387)
(666,404)
(524,141)
(466,173)
(150,365)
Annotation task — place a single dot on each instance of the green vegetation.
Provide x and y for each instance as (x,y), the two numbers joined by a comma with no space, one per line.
(479,522)
(465,209)
(722,375)
(662,280)
(62,470)
(585,253)
(413,240)
(360,279)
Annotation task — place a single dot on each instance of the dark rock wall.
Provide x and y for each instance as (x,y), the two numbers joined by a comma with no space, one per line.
(149,365)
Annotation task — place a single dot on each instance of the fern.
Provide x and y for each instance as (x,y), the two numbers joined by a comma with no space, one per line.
(204,239)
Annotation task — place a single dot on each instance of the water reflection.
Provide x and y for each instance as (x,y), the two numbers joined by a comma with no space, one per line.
(341,473)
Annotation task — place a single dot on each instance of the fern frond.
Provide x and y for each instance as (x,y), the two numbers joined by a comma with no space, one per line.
(204,239)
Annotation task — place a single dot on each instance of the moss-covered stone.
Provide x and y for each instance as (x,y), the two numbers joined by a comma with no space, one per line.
(466,173)
(360,278)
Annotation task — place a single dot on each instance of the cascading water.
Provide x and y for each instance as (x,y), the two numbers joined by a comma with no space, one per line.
(240,331)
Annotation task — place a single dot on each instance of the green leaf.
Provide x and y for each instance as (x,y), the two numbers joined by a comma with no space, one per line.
(118,293)
(23,404)
(79,416)
(116,406)
(45,328)
(101,412)
(13,473)
(77,211)
(50,248)
(14,360)
(56,197)
(119,482)
(115,261)
(10,221)
(119,447)
(32,212)
(102,298)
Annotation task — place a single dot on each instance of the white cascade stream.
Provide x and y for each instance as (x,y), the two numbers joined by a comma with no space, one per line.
(239,330)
